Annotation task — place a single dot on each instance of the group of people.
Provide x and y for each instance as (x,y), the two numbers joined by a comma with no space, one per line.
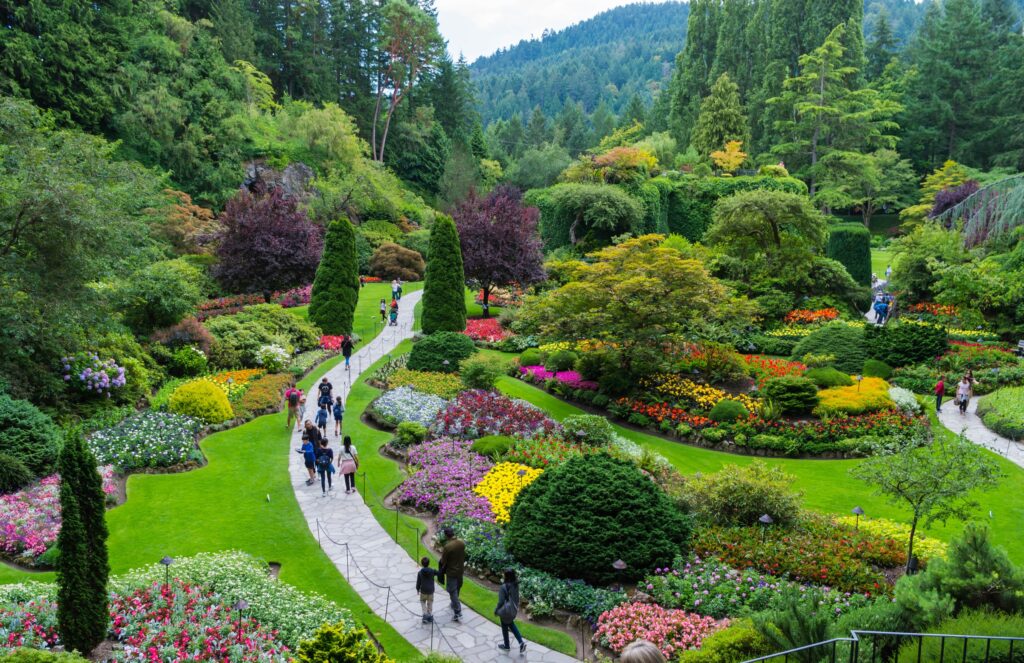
(961,396)
(316,451)
(883,306)
(389,315)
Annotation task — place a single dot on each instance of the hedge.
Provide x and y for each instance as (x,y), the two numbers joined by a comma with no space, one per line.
(850,244)
(332,303)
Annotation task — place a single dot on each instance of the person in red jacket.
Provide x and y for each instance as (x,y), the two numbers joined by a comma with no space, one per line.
(940,391)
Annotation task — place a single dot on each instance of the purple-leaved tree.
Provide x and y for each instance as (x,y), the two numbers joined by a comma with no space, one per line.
(500,244)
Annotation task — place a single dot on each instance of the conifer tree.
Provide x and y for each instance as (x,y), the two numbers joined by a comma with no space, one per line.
(444,301)
(721,118)
(882,47)
(332,303)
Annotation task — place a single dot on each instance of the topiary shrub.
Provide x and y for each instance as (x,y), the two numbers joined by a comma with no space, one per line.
(794,395)
(578,518)
(29,435)
(850,244)
(391,261)
(339,643)
(481,372)
(842,341)
(728,411)
(877,369)
(14,475)
(590,429)
(203,400)
(905,343)
(409,433)
(444,283)
(827,377)
(531,357)
(493,445)
(738,495)
(561,360)
(431,352)
(332,302)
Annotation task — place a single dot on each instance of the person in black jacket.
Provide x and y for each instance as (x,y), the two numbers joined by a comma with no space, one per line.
(346,350)
(425,586)
(508,608)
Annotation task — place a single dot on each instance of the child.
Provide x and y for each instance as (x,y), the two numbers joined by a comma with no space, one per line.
(425,586)
(339,412)
(321,420)
(308,452)
(383,311)
(302,412)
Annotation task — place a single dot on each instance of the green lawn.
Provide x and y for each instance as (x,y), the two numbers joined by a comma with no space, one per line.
(367,322)
(474,310)
(880,259)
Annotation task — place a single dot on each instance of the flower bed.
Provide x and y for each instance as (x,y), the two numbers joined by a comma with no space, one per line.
(586,345)
(92,375)
(478,413)
(811,317)
(545,451)
(501,297)
(446,473)
(294,297)
(212,308)
(704,396)
(331,343)
(407,404)
(869,395)
(931,308)
(662,412)
(147,440)
(764,368)
(502,484)
(672,631)
(799,331)
(925,548)
(488,330)
(445,385)
(232,383)
(264,395)
(954,333)
(305,362)
(571,379)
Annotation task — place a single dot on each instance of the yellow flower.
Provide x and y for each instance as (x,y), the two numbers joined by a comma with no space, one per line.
(501,486)
(870,396)
(232,383)
(703,395)
(924,547)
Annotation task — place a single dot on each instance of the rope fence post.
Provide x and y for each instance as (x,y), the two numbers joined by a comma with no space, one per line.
(387,603)
(318,541)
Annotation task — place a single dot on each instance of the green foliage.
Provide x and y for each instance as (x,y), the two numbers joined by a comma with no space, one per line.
(739,641)
(692,201)
(339,643)
(391,261)
(444,302)
(796,619)
(728,411)
(971,622)
(877,369)
(773,170)
(1003,412)
(587,215)
(28,435)
(827,377)
(740,495)
(409,433)
(160,295)
(905,343)
(203,400)
(531,357)
(481,372)
(844,342)
(795,395)
(921,256)
(493,446)
(335,291)
(187,362)
(432,353)
(721,118)
(14,474)
(564,522)
(590,429)
(26,655)
(561,360)
(850,244)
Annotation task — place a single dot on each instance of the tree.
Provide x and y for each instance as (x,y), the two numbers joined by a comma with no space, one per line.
(332,302)
(635,112)
(536,169)
(730,158)
(266,243)
(721,118)
(603,120)
(870,182)
(882,48)
(538,131)
(936,482)
(82,566)
(160,295)
(780,228)
(499,241)
(420,150)
(571,128)
(391,261)
(444,286)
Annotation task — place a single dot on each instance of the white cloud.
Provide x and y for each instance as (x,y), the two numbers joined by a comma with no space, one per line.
(480,27)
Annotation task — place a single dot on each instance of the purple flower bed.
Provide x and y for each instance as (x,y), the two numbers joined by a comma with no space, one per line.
(478,413)
(569,378)
(446,471)
(294,297)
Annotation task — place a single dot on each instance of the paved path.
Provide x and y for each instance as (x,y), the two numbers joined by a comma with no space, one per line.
(975,431)
(381,571)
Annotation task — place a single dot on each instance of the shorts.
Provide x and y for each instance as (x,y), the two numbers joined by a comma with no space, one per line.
(426,597)
(310,466)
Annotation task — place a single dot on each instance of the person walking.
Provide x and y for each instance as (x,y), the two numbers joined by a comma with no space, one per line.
(940,391)
(508,608)
(325,466)
(302,412)
(964,391)
(321,420)
(394,288)
(338,412)
(425,586)
(398,293)
(383,310)
(641,651)
(888,273)
(292,397)
(452,566)
(346,350)
(348,463)
(394,314)
(326,392)
(308,451)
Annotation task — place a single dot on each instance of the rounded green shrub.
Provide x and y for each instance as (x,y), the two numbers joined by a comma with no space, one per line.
(431,352)
(187,362)
(493,445)
(409,433)
(738,495)
(739,642)
(590,429)
(877,369)
(531,357)
(905,343)
(14,475)
(728,411)
(561,360)
(578,518)
(827,377)
(342,643)
(842,341)
(29,435)
(203,400)
(795,395)
(481,372)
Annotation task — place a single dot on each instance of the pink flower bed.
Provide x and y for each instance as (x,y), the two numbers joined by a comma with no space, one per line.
(446,472)
(331,343)
(294,297)
(477,413)
(30,518)
(670,630)
(486,329)
(569,378)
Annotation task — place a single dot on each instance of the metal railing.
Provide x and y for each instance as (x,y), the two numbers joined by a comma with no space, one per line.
(885,646)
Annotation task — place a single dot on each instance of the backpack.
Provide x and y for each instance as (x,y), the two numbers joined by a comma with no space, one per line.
(508,610)
(293,398)
(323,461)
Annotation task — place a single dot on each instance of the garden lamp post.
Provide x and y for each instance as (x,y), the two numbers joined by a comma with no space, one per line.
(858,378)
(857,511)
(240,606)
(521,473)
(167,561)
(765,520)
(619,567)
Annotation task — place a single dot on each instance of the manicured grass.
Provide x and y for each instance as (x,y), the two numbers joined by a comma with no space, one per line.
(880,259)
(474,310)
(826,484)
(381,475)
(367,320)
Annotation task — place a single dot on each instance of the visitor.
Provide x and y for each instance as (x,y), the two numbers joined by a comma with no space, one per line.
(326,391)
(308,451)
(452,565)
(398,293)
(964,391)
(362,281)
(425,586)
(338,412)
(888,273)
(312,433)
(346,350)
(508,608)
(383,310)
(302,411)
(641,651)
(348,463)
(292,397)
(394,288)
(940,391)
(321,420)
(325,466)
(394,314)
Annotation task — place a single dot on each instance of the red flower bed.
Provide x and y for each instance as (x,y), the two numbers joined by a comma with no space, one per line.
(486,329)
(294,297)
(660,412)
(933,309)
(981,346)
(371,279)
(331,343)
(212,308)
(808,317)
(763,368)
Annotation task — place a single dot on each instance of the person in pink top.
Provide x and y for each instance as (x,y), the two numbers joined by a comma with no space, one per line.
(292,397)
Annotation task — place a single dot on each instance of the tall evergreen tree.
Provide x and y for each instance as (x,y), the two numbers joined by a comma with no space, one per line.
(571,128)
(603,120)
(233,24)
(444,284)
(693,67)
(332,303)
(634,112)
(721,118)
(538,131)
(882,48)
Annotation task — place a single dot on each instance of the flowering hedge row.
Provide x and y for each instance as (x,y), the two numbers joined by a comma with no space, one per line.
(672,631)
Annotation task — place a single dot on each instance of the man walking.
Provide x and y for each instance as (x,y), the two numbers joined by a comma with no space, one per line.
(452,565)
(940,391)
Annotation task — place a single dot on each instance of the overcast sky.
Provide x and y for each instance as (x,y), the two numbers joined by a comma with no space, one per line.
(480,27)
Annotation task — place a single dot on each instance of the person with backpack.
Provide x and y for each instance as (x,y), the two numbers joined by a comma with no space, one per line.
(338,412)
(326,391)
(425,586)
(508,608)
(291,398)
(321,420)
(452,566)
(346,350)
(348,463)
(325,466)
(308,451)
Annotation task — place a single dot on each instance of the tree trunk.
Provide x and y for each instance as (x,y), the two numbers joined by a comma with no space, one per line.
(486,289)
(910,545)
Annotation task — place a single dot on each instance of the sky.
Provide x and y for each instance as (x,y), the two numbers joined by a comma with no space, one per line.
(480,27)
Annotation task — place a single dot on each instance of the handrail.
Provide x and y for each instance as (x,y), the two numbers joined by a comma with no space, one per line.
(855,640)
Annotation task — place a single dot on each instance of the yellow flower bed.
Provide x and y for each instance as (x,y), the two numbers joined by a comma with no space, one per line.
(798,331)
(703,395)
(959,334)
(232,383)
(924,547)
(445,385)
(502,484)
(586,345)
(872,395)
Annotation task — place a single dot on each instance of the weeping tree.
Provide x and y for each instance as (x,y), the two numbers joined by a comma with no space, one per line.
(332,301)
(987,213)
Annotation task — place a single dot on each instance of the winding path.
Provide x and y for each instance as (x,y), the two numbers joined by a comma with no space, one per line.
(971,426)
(377,567)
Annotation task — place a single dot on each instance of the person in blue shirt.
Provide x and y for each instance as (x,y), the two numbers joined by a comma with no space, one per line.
(321,419)
(339,412)
(308,451)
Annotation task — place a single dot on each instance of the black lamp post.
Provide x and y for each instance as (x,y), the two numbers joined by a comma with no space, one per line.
(521,473)
(241,605)
(167,561)
(857,511)
(619,567)
(765,520)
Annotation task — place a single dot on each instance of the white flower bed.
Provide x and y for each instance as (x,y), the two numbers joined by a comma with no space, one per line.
(905,400)
(407,404)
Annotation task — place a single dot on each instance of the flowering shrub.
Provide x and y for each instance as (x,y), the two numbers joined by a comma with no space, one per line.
(545,451)
(703,396)
(91,375)
(294,297)
(147,439)
(212,308)
(232,383)
(661,412)
(502,484)
(905,400)
(272,357)
(870,395)
(925,548)
(808,317)
(571,379)
(932,308)
(477,413)
(331,343)
(765,368)
(799,331)
(31,623)
(486,329)
(446,473)
(671,631)
(445,385)
(407,404)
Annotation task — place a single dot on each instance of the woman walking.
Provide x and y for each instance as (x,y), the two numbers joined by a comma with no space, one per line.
(383,311)
(339,412)
(508,608)
(346,350)
(964,391)
(348,463)
(325,466)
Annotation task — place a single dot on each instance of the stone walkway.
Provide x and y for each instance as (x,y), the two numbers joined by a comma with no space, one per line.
(975,431)
(381,571)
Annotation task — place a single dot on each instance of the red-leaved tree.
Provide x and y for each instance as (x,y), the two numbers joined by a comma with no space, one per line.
(500,243)
(266,243)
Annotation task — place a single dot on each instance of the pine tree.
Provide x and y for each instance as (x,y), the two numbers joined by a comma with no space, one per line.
(538,131)
(721,118)
(571,128)
(233,24)
(444,286)
(634,112)
(693,69)
(332,303)
(603,120)
(882,48)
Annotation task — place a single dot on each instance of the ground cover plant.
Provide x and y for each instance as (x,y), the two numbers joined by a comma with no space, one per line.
(477,413)
(408,404)
(147,440)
